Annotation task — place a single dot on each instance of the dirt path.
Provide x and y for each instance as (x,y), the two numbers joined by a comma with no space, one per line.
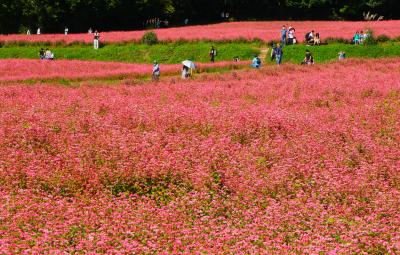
(264,53)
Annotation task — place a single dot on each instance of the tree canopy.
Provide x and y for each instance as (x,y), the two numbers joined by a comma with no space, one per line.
(79,15)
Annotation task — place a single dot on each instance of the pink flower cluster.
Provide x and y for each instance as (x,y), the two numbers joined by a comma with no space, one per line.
(266,31)
(282,160)
(25,69)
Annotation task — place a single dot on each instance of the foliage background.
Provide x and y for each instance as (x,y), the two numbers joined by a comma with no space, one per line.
(53,15)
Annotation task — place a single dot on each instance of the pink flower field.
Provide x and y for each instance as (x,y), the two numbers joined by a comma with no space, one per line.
(266,31)
(26,69)
(282,160)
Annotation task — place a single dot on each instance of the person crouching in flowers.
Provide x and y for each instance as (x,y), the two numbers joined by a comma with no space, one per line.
(48,55)
(308,59)
(342,55)
(256,63)
(41,53)
(185,72)
(317,39)
(156,71)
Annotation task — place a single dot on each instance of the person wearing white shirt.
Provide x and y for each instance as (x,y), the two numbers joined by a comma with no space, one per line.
(291,35)
(96,40)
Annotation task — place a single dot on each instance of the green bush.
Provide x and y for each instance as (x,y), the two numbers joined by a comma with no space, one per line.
(382,38)
(23,29)
(330,40)
(370,40)
(150,38)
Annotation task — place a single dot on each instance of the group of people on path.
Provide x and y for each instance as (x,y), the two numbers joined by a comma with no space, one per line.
(312,38)
(276,55)
(360,37)
(288,36)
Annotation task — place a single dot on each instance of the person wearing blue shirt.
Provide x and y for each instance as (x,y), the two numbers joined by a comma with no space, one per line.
(283,35)
(278,54)
(256,63)
(356,38)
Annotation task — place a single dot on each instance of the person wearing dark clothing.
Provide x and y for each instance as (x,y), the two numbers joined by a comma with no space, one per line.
(308,59)
(213,53)
(273,52)
(278,54)
(283,35)
(310,37)
(41,53)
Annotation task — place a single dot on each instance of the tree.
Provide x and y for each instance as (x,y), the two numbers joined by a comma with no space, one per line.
(10,16)
(79,15)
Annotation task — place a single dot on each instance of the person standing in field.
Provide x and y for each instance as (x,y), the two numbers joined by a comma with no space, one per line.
(38,31)
(273,52)
(156,71)
(28,32)
(66,31)
(96,40)
(356,38)
(291,36)
(366,35)
(213,53)
(278,54)
(283,35)
(361,37)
